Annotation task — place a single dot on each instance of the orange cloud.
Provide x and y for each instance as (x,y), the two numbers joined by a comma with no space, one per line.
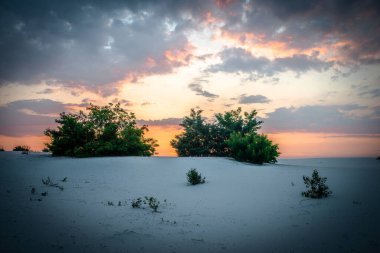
(170,59)
(210,19)
(223,3)
(271,48)
(150,62)
(179,57)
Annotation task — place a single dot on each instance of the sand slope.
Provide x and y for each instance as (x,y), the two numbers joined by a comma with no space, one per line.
(241,208)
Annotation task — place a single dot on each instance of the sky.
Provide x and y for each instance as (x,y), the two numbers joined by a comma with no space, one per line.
(310,68)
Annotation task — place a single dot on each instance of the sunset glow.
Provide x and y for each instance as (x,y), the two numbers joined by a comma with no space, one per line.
(311,70)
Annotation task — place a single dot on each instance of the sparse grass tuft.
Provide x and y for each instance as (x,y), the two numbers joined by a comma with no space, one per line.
(136,203)
(153,203)
(49,182)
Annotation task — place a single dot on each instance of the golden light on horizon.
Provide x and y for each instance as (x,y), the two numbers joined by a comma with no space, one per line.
(163,135)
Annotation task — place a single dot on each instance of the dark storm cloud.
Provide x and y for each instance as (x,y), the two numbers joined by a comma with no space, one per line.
(253,99)
(347,28)
(240,60)
(91,43)
(329,119)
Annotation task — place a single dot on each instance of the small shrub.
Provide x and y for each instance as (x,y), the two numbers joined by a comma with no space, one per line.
(194,177)
(317,186)
(2,149)
(153,203)
(136,203)
(22,148)
(109,203)
(45,150)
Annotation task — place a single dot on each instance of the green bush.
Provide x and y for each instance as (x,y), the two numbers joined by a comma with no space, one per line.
(230,134)
(253,148)
(202,138)
(318,188)
(194,177)
(104,131)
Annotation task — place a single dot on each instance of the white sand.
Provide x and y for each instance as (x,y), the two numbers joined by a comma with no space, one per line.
(241,208)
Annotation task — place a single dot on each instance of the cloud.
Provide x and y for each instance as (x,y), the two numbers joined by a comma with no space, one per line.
(37,106)
(253,99)
(197,87)
(318,118)
(372,93)
(92,44)
(46,91)
(338,29)
(161,122)
(240,60)
(29,117)
(123,102)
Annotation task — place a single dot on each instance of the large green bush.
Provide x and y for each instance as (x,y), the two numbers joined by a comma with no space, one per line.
(252,147)
(202,138)
(105,131)
(231,134)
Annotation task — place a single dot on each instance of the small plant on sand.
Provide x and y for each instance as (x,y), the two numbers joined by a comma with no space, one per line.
(21,148)
(136,203)
(152,202)
(194,177)
(1,149)
(49,182)
(109,203)
(317,186)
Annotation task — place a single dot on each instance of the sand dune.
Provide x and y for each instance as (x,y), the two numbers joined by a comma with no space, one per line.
(240,208)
